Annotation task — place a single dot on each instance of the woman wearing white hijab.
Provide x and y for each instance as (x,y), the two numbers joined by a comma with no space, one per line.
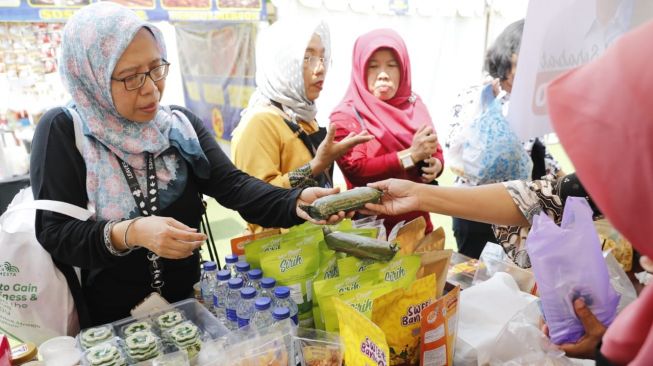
(278,139)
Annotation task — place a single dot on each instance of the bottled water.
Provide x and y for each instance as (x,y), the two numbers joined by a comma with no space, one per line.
(207,282)
(241,271)
(280,314)
(267,287)
(230,263)
(262,317)
(283,299)
(233,296)
(220,295)
(255,276)
(245,308)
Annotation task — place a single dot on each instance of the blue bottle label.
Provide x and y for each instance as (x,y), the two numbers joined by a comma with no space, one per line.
(231,315)
(295,319)
(242,322)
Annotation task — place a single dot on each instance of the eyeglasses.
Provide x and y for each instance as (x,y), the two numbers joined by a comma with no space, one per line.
(136,81)
(314,61)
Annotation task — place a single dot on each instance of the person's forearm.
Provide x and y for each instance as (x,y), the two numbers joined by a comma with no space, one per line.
(489,203)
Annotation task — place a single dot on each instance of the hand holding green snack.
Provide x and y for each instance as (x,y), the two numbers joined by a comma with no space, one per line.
(353,199)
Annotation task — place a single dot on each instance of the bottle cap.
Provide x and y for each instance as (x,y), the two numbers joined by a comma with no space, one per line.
(248,293)
(231,258)
(210,266)
(235,283)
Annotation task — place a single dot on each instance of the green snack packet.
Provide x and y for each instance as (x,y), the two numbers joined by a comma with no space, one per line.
(352,265)
(401,271)
(361,300)
(255,248)
(295,266)
(331,287)
(344,225)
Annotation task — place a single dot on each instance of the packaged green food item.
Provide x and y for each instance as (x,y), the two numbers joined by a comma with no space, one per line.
(255,248)
(361,300)
(328,267)
(364,342)
(306,227)
(352,265)
(295,266)
(401,271)
(331,287)
(398,314)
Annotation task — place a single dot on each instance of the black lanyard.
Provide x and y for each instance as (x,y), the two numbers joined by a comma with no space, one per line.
(147,203)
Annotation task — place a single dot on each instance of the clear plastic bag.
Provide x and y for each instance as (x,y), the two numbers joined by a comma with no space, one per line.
(568,264)
(494,259)
(246,346)
(371,222)
(620,281)
(521,342)
(316,347)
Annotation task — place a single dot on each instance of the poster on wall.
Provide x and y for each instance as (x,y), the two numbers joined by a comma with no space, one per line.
(152,10)
(217,70)
(560,35)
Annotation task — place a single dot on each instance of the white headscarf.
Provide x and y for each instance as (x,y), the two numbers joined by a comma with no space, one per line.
(280,53)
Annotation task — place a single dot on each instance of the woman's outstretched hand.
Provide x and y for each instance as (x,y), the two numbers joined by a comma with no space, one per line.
(399,196)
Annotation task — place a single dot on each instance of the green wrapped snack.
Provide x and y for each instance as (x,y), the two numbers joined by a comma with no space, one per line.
(359,246)
(353,199)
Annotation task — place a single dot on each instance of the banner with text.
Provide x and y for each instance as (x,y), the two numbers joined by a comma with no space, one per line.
(560,35)
(217,69)
(152,10)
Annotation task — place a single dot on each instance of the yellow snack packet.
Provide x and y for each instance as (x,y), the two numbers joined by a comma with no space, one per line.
(364,342)
(398,314)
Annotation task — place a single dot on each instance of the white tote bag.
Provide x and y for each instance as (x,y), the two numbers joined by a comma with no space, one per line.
(35,301)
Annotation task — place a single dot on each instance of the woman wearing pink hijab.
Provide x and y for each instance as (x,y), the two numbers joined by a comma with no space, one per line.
(380,100)
(604,120)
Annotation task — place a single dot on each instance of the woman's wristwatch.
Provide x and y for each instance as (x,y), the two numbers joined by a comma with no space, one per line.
(406,159)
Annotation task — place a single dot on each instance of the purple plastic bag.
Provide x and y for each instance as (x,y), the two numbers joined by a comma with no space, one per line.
(568,264)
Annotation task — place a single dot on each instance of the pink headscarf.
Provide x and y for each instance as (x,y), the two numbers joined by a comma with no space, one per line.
(604,118)
(392,122)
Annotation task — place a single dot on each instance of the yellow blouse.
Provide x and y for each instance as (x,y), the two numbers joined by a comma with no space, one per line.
(266,148)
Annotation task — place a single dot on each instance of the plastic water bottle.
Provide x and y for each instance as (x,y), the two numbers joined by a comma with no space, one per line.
(220,292)
(262,317)
(267,287)
(283,299)
(241,271)
(233,296)
(230,263)
(207,282)
(280,314)
(255,276)
(245,308)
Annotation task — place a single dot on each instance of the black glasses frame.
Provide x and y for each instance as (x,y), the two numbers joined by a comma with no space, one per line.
(165,65)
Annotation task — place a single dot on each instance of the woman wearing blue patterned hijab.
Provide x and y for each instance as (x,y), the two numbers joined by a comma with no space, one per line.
(140,166)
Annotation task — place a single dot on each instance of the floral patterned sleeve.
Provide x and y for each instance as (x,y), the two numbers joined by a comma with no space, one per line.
(531,198)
